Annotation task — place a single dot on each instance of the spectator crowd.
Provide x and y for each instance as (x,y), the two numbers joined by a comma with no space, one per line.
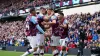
(12,33)
(14,6)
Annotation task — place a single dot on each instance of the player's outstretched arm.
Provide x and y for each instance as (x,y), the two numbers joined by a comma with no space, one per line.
(39,28)
(53,20)
(33,19)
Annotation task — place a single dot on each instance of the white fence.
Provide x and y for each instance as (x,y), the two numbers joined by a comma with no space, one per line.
(84,9)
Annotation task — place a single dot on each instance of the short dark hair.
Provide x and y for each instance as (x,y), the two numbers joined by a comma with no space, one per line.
(32,9)
(43,8)
(61,13)
(49,8)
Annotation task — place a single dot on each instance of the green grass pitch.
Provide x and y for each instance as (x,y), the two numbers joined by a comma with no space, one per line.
(13,53)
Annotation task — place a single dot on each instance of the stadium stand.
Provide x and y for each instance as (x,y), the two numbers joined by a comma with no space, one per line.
(12,33)
(13,7)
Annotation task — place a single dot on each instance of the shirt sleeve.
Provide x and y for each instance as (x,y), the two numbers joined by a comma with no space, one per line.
(40,16)
(65,22)
(53,17)
(34,20)
(40,29)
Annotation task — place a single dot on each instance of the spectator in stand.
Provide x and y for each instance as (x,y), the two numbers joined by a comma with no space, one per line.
(22,42)
(89,36)
(71,45)
(93,47)
(76,39)
(11,30)
(95,36)
(2,42)
(99,43)
(98,31)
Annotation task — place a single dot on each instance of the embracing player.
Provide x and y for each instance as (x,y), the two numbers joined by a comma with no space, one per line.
(63,31)
(54,39)
(32,27)
(40,35)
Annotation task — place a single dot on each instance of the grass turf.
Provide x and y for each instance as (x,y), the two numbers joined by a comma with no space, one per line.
(13,53)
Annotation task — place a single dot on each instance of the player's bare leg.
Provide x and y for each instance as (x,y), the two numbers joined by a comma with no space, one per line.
(54,44)
(63,51)
(54,51)
(35,53)
(29,51)
(41,50)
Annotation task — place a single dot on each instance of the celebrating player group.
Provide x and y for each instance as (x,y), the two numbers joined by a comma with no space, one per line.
(46,25)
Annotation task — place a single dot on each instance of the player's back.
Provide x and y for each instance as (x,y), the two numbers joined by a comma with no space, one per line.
(32,27)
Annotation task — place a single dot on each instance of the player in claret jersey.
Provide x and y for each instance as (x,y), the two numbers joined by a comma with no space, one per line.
(63,31)
(40,35)
(32,27)
(54,38)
